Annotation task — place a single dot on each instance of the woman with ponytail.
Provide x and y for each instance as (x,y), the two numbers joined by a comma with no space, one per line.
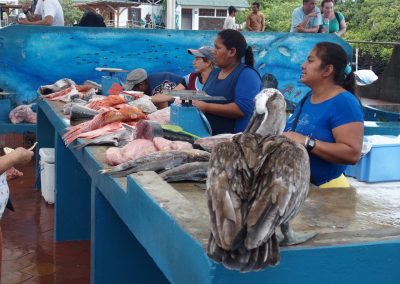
(238,82)
(329,120)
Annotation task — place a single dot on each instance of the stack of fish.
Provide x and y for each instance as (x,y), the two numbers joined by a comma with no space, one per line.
(141,142)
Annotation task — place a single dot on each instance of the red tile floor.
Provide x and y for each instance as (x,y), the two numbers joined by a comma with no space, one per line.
(29,252)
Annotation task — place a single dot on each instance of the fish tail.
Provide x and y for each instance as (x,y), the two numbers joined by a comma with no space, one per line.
(80,146)
(105,171)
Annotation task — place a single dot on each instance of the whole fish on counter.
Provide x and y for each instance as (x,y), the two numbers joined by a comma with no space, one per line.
(57,86)
(196,171)
(163,160)
(80,112)
(102,119)
(117,139)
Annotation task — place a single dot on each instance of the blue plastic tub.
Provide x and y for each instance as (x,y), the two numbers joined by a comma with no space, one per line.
(382,163)
(5,108)
(381,128)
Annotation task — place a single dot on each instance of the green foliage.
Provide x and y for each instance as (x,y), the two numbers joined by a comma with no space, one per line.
(72,14)
(367,20)
(372,20)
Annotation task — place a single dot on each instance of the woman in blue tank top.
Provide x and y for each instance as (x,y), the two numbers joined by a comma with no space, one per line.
(329,121)
(233,80)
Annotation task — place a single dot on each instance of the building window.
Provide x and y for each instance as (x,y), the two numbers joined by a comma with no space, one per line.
(222,13)
(186,11)
(207,12)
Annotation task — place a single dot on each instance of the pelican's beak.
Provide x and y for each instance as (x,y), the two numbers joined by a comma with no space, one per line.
(254,123)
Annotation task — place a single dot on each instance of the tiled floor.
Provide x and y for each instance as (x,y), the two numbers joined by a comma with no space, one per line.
(29,253)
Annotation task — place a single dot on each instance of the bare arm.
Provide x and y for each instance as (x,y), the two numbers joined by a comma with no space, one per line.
(35,20)
(262,23)
(180,87)
(230,110)
(19,156)
(346,149)
(248,27)
(301,28)
(342,28)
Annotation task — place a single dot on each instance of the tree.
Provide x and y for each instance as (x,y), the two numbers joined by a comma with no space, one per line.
(367,20)
(72,14)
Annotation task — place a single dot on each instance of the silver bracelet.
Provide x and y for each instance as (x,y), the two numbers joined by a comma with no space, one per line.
(306,141)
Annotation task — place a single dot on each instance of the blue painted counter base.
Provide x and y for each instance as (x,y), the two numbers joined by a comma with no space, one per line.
(135,240)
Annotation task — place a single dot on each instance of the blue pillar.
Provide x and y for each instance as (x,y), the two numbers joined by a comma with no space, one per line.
(116,255)
(72,202)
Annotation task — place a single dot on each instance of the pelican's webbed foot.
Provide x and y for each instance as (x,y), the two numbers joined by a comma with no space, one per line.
(292,238)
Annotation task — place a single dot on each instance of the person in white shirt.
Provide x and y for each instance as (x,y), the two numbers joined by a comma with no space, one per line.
(47,13)
(230,20)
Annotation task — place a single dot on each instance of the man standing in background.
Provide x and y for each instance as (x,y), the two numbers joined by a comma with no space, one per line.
(255,21)
(306,19)
(230,20)
(47,13)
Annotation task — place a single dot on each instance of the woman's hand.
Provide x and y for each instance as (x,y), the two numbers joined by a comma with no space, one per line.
(21,156)
(295,137)
(200,105)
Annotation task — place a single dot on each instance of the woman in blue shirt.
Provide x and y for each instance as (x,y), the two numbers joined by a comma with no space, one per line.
(238,82)
(329,121)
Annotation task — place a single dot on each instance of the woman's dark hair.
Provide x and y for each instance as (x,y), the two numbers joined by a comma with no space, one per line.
(234,39)
(91,19)
(326,1)
(333,54)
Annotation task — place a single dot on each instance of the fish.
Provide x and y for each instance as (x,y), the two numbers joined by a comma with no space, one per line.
(262,53)
(117,139)
(71,93)
(284,50)
(162,160)
(111,127)
(102,119)
(261,66)
(79,112)
(195,171)
(57,86)
(109,101)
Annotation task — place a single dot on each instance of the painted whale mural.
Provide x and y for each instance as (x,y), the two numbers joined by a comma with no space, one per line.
(34,56)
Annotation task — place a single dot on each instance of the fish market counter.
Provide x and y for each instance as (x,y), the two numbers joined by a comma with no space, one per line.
(144,230)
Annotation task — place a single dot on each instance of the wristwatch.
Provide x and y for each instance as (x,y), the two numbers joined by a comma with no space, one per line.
(310,144)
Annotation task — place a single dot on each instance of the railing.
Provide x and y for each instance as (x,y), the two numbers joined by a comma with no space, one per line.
(357,50)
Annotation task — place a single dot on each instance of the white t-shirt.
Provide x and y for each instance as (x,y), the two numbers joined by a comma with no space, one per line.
(53,8)
(230,23)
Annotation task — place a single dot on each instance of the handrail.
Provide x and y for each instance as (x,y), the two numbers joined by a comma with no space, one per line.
(374,42)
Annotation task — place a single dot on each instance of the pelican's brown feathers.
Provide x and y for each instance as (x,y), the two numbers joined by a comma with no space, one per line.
(255,183)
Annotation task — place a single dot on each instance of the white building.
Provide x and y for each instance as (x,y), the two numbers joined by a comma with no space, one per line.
(204,14)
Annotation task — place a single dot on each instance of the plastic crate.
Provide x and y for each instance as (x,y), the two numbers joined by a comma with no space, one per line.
(382,163)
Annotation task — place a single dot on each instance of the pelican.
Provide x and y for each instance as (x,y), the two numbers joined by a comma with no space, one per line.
(256,182)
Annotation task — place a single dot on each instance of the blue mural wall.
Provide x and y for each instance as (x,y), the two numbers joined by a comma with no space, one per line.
(34,56)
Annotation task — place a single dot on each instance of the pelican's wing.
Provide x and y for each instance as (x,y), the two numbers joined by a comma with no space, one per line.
(281,187)
(224,182)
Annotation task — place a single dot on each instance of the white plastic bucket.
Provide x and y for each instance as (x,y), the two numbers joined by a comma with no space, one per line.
(47,173)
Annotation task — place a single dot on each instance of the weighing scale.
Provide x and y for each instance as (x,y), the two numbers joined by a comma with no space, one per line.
(108,80)
(190,118)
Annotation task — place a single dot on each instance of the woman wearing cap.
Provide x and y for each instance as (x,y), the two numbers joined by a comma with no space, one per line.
(238,82)
(203,64)
(329,120)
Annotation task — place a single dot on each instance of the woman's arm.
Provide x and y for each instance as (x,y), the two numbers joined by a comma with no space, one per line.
(19,156)
(346,149)
(342,27)
(230,110)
